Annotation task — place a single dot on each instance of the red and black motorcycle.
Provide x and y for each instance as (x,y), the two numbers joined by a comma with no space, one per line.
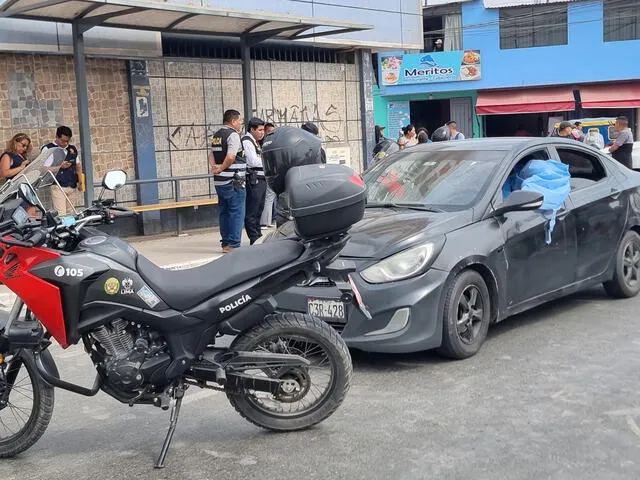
(151,332)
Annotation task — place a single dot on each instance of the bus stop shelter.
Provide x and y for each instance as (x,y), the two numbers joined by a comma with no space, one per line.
(251,27)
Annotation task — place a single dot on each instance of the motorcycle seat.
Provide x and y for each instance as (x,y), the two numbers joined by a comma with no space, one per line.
(183,289)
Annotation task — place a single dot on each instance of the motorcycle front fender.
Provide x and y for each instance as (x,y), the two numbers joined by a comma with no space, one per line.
(47,361)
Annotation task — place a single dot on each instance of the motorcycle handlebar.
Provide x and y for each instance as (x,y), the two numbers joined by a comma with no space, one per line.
(126,213)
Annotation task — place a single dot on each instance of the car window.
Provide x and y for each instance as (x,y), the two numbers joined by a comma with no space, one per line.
(509,185)
(585,169)
(449,180)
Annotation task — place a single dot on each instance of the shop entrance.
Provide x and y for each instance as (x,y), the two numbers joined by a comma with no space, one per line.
(429,114)
(535,124)
(432,114)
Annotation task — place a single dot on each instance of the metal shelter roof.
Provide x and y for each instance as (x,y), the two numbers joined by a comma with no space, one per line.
(161,16)
(175,18)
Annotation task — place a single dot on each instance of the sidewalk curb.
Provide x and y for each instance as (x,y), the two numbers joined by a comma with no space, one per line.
(189,264)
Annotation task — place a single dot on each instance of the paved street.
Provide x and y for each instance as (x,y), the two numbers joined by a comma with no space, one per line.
(554,394)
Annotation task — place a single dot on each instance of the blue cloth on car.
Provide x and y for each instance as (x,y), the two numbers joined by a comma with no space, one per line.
(548,177)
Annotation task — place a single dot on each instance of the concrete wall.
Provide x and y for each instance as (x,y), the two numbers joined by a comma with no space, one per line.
(189,97)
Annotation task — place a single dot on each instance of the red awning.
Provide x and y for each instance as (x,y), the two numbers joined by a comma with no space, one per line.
(612,95)
(529,100)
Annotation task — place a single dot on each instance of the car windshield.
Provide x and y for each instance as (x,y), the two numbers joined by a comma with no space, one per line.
(439,180)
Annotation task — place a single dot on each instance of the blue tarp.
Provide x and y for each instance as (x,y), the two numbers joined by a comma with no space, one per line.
(548,177)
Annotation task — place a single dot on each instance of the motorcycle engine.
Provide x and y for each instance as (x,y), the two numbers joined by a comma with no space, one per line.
(128,354)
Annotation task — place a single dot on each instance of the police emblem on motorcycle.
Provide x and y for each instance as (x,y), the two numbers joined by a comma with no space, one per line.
(111,286)
(127,286)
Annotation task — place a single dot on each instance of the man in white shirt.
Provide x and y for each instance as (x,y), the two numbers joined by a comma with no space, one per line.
(256,182)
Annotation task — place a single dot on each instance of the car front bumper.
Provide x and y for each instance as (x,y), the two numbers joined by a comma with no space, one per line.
(406,315)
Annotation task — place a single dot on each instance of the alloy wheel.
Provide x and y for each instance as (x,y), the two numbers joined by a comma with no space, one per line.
(470,314)
(631,264)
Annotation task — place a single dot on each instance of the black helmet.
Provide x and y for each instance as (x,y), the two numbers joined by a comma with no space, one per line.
(288,147)
(441,134)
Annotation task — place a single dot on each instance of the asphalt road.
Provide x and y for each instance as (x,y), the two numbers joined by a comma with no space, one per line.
(554,394)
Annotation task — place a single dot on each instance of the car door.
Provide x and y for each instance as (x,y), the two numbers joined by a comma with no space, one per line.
(599,208)
(534,267)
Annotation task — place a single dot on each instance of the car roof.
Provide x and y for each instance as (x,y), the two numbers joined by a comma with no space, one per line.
(506,144)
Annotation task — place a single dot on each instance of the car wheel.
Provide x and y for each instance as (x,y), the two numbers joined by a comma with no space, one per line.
(626,276)
(467,313)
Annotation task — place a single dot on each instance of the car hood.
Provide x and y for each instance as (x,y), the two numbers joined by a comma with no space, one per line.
(384,231)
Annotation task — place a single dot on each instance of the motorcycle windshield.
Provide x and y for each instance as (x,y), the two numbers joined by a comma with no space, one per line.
(35,173)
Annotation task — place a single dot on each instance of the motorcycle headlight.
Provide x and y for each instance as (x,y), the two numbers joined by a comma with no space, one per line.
(400,266)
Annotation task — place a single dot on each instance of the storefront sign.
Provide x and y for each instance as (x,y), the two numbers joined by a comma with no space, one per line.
(398,116)
(431,67)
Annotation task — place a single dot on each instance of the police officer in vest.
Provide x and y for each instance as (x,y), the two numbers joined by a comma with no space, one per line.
(256,183)
(68,174)
(229,168)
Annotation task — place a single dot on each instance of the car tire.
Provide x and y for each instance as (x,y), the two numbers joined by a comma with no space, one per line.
(467,314)
(626,275)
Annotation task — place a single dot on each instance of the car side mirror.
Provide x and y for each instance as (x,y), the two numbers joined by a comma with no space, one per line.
(519,201)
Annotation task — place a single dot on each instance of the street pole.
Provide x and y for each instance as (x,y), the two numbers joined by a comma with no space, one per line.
(246,79)
(79,64)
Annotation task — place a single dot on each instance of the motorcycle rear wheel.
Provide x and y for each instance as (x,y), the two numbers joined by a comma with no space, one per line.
(28,387)
(311,338)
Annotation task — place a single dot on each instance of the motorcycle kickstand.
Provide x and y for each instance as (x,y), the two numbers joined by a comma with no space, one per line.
(173,421)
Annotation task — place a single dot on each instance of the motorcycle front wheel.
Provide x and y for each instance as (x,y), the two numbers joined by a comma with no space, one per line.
(309,395)
(26,404)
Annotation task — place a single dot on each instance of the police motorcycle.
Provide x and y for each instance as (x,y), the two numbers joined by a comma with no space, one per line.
(151,333)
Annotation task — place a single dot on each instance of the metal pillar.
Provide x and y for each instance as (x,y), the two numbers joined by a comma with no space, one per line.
(246,79)
(77,32)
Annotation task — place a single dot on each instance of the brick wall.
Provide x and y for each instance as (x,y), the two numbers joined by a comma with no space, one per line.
(190,96)
(38,93)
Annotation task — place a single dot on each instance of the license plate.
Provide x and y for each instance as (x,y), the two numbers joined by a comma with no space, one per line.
(323,308)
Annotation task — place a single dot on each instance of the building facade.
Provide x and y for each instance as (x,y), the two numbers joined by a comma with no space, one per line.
(192,80)
(531,65)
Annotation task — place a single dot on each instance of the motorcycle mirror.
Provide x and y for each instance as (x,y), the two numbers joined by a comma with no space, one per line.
(28,194)
(114,179)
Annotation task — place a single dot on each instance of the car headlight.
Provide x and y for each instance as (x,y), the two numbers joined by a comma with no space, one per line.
(400,266)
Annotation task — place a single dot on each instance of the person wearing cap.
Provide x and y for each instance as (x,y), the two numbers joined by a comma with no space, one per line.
(379,132)
(565,130)
(454,133)
(622,146)
(438,45)
(313,128)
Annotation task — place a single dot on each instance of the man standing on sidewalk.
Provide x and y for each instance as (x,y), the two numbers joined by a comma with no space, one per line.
(68,174)
(256,182)
(229,168)
(622,146)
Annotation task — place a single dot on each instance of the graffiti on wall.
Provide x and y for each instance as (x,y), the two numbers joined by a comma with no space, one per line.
(330,124)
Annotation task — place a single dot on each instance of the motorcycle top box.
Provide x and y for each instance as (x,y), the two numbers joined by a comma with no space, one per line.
(324,200)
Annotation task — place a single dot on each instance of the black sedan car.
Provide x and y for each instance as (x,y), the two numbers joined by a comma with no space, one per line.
(441,253)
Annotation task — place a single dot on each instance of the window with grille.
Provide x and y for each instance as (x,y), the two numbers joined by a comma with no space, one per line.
(533,26)
(621,20)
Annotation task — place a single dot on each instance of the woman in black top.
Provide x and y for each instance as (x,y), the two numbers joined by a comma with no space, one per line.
(14,159)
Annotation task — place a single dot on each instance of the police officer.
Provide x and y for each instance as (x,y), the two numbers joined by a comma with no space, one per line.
(68,174)
(229,169)
(256,183)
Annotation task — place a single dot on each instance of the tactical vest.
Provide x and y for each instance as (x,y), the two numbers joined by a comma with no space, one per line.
(258,170)
(219,146)
(67,177)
